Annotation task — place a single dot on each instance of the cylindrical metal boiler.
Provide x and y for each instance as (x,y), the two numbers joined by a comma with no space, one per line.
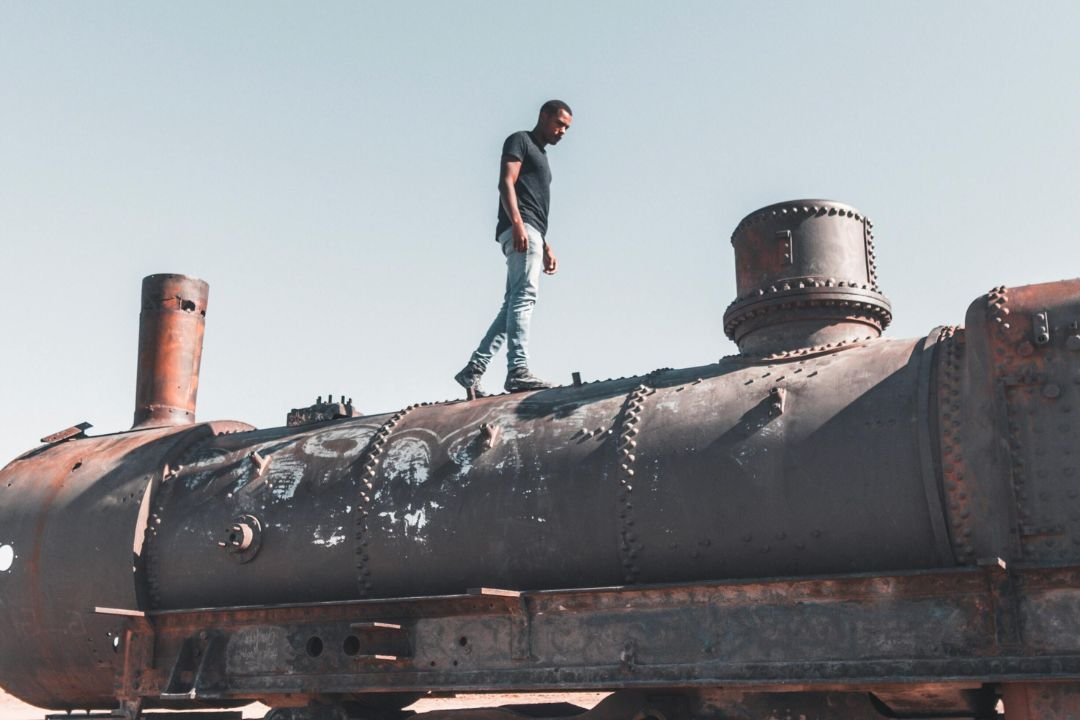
(821,448)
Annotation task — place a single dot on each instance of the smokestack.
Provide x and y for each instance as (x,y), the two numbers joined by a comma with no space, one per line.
(805,276)
(170,350)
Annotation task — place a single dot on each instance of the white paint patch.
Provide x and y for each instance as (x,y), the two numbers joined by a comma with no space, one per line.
(462,456)
(415,520)
(343,442)
(336,537)
(510,431)
(412,520)
(7,557)
(408,460)
(284,476)
(212,458)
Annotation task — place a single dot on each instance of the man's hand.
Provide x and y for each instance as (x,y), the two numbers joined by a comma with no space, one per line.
(521,237)
(551,263)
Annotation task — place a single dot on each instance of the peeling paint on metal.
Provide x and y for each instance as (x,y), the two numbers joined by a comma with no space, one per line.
(346,442)
(407,460)
(212,458)
(416,519)
(284,476)
(337,536)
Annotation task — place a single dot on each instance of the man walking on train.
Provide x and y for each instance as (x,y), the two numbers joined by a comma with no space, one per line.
(524,199)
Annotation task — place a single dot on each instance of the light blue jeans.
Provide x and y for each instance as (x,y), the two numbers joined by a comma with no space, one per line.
(522,288)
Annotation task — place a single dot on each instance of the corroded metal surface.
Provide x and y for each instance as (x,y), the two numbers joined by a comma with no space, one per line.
(170,349)
(889,526)
(805,275)
(612,482)
(931,640)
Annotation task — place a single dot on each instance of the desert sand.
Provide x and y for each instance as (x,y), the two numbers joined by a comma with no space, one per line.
(13,709)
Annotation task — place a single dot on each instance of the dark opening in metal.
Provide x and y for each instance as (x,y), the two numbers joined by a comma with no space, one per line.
(351,646)
(315,646)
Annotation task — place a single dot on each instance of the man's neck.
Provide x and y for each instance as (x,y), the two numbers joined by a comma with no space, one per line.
(537,138)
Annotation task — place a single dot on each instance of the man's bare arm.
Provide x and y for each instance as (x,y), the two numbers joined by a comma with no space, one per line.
(508,175)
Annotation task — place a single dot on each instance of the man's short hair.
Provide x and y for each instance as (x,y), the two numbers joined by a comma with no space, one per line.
(552,107)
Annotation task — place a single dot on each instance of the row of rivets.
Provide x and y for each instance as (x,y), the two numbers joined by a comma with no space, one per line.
(871,257)
(873,312)
(997,309)
(816,349)
(626,455)
(802,284)
(953,468)
(368,468)
(796,210)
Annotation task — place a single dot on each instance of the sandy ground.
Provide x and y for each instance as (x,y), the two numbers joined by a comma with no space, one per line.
(12,709)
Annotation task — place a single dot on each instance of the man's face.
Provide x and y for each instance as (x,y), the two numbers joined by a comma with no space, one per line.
(554,125)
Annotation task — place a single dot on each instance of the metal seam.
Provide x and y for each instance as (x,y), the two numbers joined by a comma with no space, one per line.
(805,282)
(807,352)
(869,308)
(819,210)
(630,546)
(367,467)
(930,349)
(953,467)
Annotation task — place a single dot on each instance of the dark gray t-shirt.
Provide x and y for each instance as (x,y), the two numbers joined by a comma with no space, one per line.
(533,186)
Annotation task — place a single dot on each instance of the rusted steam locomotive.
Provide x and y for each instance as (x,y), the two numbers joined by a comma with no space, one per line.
(830,524)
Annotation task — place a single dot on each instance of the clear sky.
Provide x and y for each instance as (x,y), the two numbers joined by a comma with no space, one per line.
(330,169)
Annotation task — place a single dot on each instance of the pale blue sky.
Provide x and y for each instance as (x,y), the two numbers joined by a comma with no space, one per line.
(329,168)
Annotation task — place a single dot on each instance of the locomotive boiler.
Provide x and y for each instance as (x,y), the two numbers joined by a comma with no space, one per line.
(829,524)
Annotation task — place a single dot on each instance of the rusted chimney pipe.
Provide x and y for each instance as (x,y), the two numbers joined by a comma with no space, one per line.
(170,348)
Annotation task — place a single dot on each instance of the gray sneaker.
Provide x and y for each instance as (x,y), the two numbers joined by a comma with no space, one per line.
(521,380)
(469,378)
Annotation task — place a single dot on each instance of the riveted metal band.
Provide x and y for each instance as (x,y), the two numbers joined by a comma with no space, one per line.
(954,470)
(928,357)
(817,208)
(368,467)
(859,301)
(997,309)
(626,448)
(808,352)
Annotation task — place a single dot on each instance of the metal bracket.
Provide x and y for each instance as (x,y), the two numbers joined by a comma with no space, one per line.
(75,431)
(520,619)
(379,642)
(243,538)
(1073,341)
(777,400)
(1040,327)
(199,668)
(787,247)
(489,435)
(260,462)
